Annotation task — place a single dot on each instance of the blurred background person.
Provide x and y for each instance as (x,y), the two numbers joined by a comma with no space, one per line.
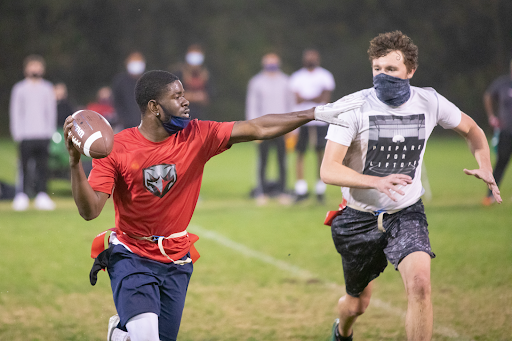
(64,107)
(499,95)
(312,86)
(123,87)
(33,119)
(269,92)
(196,81)
(58,158)
(103,105)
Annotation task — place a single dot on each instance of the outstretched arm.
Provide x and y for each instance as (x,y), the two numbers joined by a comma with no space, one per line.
(478,145)
(273,125)
(89,202)
(269,126)
(333,172)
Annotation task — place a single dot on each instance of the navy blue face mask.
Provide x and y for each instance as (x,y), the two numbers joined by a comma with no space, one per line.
(271,67)
(175,123)
(392,90)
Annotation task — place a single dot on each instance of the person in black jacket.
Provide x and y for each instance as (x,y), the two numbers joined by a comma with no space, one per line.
(123,87)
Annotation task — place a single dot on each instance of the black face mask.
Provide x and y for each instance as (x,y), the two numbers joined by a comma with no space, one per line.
(392,90)
(35,75)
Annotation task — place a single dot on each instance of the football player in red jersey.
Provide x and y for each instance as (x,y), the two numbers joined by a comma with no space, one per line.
(154,174)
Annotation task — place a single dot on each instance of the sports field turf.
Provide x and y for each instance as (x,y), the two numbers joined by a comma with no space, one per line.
(265,273)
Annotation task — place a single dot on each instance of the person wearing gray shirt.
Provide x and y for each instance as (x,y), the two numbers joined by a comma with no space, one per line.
(500,93)
(269,92)
(33,119)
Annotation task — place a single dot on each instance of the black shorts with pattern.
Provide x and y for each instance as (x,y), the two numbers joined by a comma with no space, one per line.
(365,250)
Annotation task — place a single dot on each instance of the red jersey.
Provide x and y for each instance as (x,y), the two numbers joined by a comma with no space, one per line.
(156,185)
(104,109)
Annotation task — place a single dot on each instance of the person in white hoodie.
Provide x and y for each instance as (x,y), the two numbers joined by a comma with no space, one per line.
(33,120)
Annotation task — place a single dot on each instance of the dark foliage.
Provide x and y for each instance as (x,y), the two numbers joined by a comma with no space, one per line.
(463,44)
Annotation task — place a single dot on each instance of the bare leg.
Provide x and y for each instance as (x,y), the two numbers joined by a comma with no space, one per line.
(300,166)
(349,308)
(415,271)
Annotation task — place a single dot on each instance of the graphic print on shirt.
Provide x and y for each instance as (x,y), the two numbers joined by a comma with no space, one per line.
(159,179)
(394,144)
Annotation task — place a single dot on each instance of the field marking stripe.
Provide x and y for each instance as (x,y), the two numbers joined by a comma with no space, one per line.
(241,248)
(304,274)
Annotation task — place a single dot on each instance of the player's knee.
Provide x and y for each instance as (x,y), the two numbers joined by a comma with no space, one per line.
(419,287)
(354,306)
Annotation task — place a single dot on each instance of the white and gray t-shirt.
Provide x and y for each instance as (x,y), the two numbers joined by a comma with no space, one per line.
(386,140)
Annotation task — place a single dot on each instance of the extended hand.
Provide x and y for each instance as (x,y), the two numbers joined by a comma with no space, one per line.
(392,184)
(487,177)
(330,113)
(74,154)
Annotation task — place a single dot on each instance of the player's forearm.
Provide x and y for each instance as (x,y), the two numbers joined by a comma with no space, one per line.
(339,175)
(274,125)
(479,147)
(86,199)
(269,126)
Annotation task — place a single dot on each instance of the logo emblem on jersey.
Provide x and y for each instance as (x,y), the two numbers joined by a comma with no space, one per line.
(159,179)
(395,144)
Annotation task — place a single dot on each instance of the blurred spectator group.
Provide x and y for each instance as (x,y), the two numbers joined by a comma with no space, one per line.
(272,91)
(39,108)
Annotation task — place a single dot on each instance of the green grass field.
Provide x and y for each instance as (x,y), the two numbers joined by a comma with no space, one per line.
(265,273)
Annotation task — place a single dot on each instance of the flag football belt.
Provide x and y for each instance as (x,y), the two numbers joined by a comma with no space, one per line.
(98,244)
(379,214)
(159,241)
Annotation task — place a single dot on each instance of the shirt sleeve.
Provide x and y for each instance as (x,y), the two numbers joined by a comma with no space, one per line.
(51,108)
(251,103)
(15,113)
(344,135)
(293,86)
(103,174)
(216,137)
(291,100)
(448,114)
(330,84)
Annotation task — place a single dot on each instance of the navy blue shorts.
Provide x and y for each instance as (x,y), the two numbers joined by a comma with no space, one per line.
(365,250)
(141,285)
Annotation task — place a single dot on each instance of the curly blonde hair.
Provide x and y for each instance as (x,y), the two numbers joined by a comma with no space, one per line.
(384,43)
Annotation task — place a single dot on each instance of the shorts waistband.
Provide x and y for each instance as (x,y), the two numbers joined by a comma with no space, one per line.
(379,214)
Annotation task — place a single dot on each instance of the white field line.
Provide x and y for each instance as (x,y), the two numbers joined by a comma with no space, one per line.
(304,274)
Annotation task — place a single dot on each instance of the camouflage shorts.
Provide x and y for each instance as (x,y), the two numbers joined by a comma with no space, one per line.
(365,250)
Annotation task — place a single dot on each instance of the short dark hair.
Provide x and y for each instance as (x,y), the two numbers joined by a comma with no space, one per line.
(384,43)
(151,85)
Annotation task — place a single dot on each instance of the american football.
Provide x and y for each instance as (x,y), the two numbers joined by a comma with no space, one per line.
(91,134)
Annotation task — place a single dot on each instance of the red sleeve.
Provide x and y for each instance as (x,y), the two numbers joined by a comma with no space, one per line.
(216,137)
(103,175)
